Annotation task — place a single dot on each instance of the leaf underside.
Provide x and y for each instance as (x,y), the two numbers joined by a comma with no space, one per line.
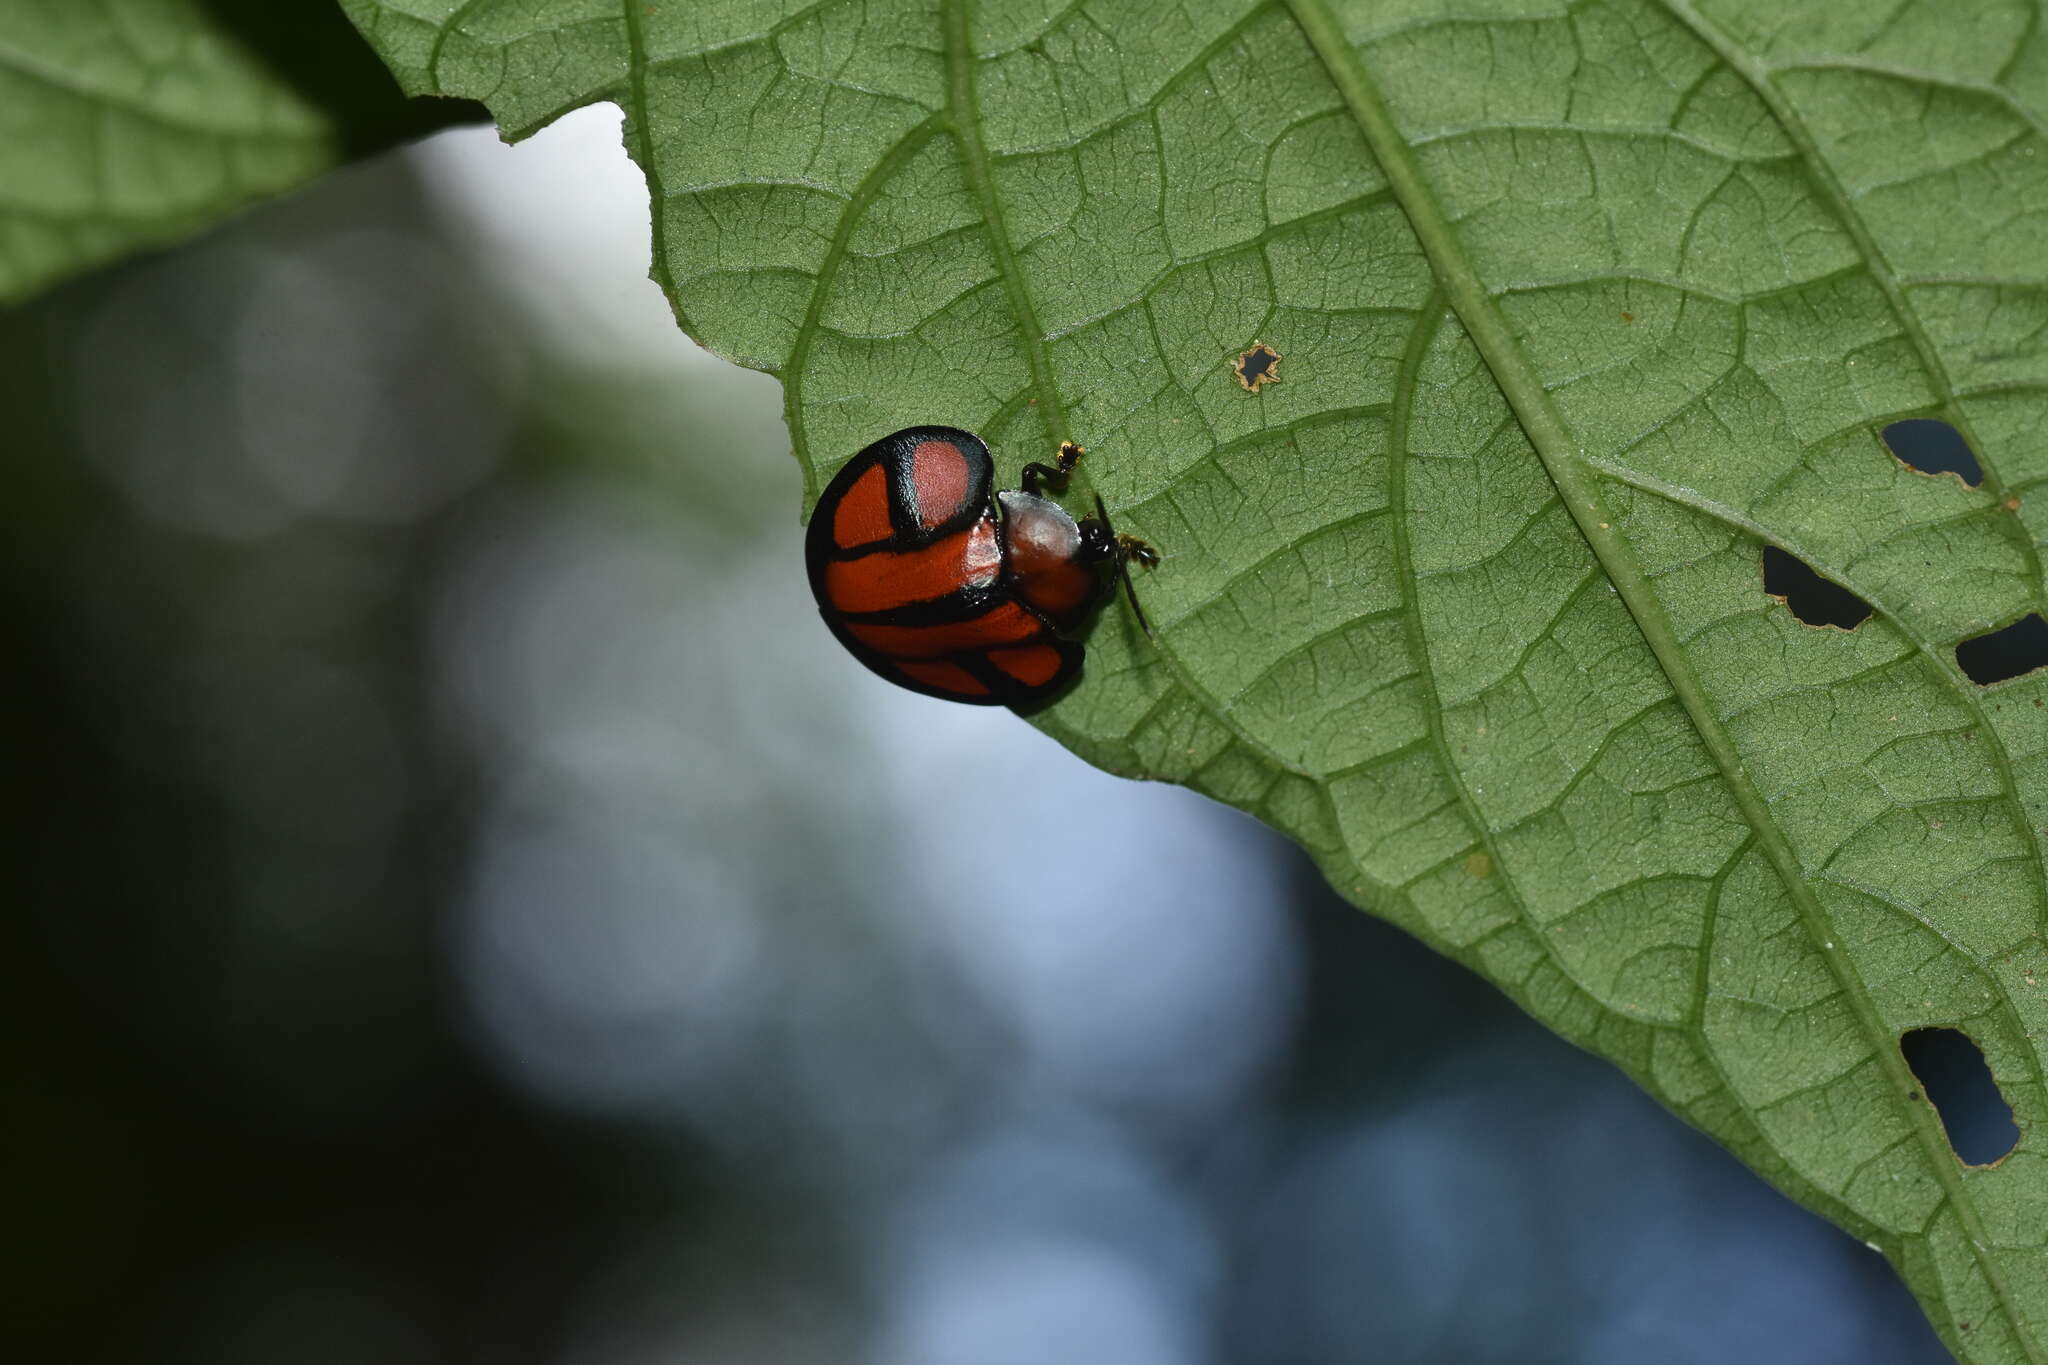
(1579,306)
(129,123)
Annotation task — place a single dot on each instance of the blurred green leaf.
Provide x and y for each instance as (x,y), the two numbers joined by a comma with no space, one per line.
(1579,308)
(128,123)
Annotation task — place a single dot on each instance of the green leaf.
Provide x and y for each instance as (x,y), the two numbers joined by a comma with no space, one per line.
(128,123)
(1580,306)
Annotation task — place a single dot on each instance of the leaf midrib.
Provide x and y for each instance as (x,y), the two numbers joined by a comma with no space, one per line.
(1874,263)
(1562,460)
(1822,177)
(1972,705)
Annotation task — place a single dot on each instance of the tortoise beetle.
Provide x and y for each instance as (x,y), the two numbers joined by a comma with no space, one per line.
(943,587)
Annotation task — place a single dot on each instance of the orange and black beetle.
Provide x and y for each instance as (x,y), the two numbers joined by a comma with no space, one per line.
(947,589)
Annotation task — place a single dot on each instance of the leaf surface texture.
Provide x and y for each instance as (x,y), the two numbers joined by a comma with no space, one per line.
(1580,306)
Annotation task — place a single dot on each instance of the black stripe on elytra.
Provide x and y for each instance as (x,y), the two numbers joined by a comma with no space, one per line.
(963,604)
(1017,695)
(901,542)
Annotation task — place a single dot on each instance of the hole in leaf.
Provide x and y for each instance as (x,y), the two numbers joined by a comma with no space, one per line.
(1958,1083)
(1259,365)
(1933,446)
(2019,648)
(1811,598)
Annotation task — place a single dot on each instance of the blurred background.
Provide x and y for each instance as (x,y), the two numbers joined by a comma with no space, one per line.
(469,910)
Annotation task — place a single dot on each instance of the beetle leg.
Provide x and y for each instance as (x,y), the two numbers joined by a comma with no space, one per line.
(1037,476)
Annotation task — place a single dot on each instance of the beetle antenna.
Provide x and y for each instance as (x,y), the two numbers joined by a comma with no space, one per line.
(1123,571)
